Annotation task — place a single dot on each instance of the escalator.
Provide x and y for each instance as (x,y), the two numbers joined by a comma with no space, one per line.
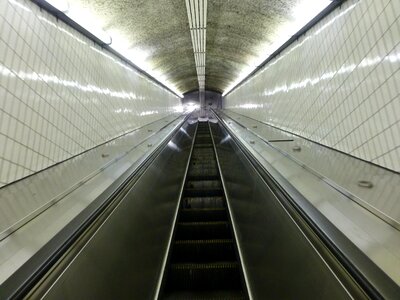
(203,261)
(165,231)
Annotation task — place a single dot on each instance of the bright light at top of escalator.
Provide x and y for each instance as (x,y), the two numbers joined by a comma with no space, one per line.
(83,17)
(140,57)
(20,5)
(61,5)
(94,24)
(304,11)
(301,14)
(190,106)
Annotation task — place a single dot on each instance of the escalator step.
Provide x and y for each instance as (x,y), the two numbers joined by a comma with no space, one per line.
(204,184)
(195,164)
(205,176)
(195,251)
(203,188)
(208,145)
(203,230)
(203,151)
(203,140)
(204,158)
(203,136)
(203,202)
(203,170)
(205,276)
(204,192)
(207,295)
(204,162)
(203,214)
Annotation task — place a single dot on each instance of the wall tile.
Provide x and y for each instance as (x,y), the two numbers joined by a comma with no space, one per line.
(338,85)
(61,95)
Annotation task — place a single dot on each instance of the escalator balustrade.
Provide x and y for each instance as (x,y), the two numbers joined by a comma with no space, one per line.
(203,262)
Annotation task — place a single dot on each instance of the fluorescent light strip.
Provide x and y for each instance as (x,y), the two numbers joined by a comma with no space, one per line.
(204,40)
(193,14)
(200,40)
(201,11)
(197,8)
(197,17)
(189,14)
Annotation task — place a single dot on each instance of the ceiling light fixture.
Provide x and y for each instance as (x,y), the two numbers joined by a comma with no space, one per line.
(301,14)
(197,16)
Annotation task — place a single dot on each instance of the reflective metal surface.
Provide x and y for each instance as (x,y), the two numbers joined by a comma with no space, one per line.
(279,261)
(378,240)
(249,209)
(125,256)
(343,172)
(56,196)
(23,200)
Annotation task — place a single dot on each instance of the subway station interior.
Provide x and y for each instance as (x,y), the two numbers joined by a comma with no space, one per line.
(199,149)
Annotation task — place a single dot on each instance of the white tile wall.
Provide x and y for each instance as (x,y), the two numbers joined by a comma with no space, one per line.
(60,94)
(338,85)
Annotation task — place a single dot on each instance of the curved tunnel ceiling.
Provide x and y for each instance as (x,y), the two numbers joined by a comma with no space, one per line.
(158,30)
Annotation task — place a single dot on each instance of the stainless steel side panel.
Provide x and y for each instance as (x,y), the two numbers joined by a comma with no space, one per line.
(279,261)
(123,260)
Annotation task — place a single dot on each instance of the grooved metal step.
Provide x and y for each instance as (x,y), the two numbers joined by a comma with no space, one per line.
(208,188)
(208,145)
(206,165)
(204,251)
(202,230)
(201,153)
(203,202)
(211,192)
(216,276)
(203,171)
(203,175)
(209,295)
(203,214)
(203,158)
(203,184)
